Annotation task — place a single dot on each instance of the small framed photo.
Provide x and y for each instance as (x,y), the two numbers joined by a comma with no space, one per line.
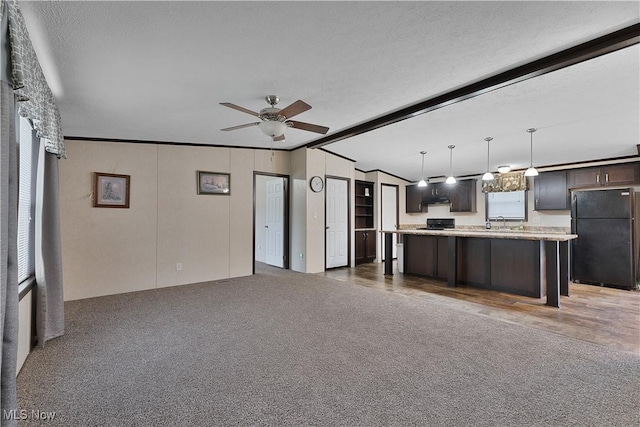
(110,190)
(214,183)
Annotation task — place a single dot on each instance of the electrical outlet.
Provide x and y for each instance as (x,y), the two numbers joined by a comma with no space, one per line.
(178,266)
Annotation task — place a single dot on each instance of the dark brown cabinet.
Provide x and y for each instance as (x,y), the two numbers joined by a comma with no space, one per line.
(365,246)
(551,191)
(611,175)
(414,198)
(462,195)
(436,193)
(364,204)
(625,174)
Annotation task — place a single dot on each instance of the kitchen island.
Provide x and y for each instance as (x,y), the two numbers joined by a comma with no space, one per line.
(519,262)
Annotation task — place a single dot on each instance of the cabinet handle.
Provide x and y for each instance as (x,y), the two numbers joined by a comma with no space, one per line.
(598,178)
(365,236)
(419,206)
(606,177)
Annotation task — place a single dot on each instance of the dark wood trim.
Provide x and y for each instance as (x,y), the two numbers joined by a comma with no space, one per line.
(186,144)
(349,229)
(336,154)
(582,52)
(287,200)
(585,164)
(390,174)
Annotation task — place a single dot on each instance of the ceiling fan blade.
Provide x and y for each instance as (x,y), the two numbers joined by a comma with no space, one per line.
(279,138)
(308,126)
(242,126)
(294,109)
(239,108)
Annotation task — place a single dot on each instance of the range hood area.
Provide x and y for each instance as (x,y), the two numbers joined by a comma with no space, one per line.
(436,193)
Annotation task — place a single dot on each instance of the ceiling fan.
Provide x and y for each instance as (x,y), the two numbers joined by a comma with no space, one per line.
(275,121)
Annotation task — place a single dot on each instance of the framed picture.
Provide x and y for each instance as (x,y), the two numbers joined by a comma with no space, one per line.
(214,183)
(110,190)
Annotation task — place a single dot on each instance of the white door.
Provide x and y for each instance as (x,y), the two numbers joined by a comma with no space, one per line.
(275,222)
(337,223)
(389,204)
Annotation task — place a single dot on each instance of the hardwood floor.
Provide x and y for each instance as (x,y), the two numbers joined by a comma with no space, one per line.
(605,316)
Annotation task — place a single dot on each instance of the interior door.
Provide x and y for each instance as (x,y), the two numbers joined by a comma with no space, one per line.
(275,223)
(389,204)
(337,223)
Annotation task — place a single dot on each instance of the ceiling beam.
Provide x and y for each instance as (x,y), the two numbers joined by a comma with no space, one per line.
(583,52)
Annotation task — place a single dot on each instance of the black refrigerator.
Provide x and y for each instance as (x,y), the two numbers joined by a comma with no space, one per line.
(605,251)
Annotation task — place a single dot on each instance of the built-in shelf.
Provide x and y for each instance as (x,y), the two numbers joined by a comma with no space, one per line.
(364,204)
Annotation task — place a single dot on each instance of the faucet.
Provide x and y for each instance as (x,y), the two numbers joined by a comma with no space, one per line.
(504,222)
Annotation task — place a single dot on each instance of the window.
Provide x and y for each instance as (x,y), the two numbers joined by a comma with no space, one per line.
(510,205)
(28,149)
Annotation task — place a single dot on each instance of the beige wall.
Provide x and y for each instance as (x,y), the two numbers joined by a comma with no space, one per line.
(105,250)
(109,251)
(308,208)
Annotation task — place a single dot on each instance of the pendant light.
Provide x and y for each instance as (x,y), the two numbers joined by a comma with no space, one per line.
(451,179)
(422,182)
(504,168)
(531,171)
(488,176)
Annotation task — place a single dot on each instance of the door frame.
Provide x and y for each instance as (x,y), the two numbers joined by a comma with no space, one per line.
(349,230)
(285,234)
(397,187)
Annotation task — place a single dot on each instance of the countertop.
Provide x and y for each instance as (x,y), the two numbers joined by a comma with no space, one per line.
(490,234)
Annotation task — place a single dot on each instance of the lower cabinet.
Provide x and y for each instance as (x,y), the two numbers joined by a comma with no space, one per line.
(365,246)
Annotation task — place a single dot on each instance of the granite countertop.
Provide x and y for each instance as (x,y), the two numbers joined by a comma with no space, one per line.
(491,234)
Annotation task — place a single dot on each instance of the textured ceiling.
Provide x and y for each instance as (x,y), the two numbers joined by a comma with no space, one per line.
(158,71)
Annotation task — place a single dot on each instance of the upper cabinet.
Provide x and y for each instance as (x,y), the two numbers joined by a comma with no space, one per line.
(610,175)
(414,198)
(551,191)
(462,195)
(364,204)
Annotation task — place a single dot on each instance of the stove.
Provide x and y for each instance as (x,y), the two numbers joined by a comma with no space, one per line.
(440,223)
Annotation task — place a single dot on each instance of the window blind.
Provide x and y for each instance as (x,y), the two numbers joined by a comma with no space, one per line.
(27,146)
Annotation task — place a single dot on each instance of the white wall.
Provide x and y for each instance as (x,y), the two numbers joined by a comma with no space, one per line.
(108,251)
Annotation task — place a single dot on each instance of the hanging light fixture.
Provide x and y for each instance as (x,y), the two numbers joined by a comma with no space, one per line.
(531,171)
(504,168)
(451,179)
(422,182)
(488,176)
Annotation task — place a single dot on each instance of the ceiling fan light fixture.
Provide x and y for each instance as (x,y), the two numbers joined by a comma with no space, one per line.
(272,128)
(504,168)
